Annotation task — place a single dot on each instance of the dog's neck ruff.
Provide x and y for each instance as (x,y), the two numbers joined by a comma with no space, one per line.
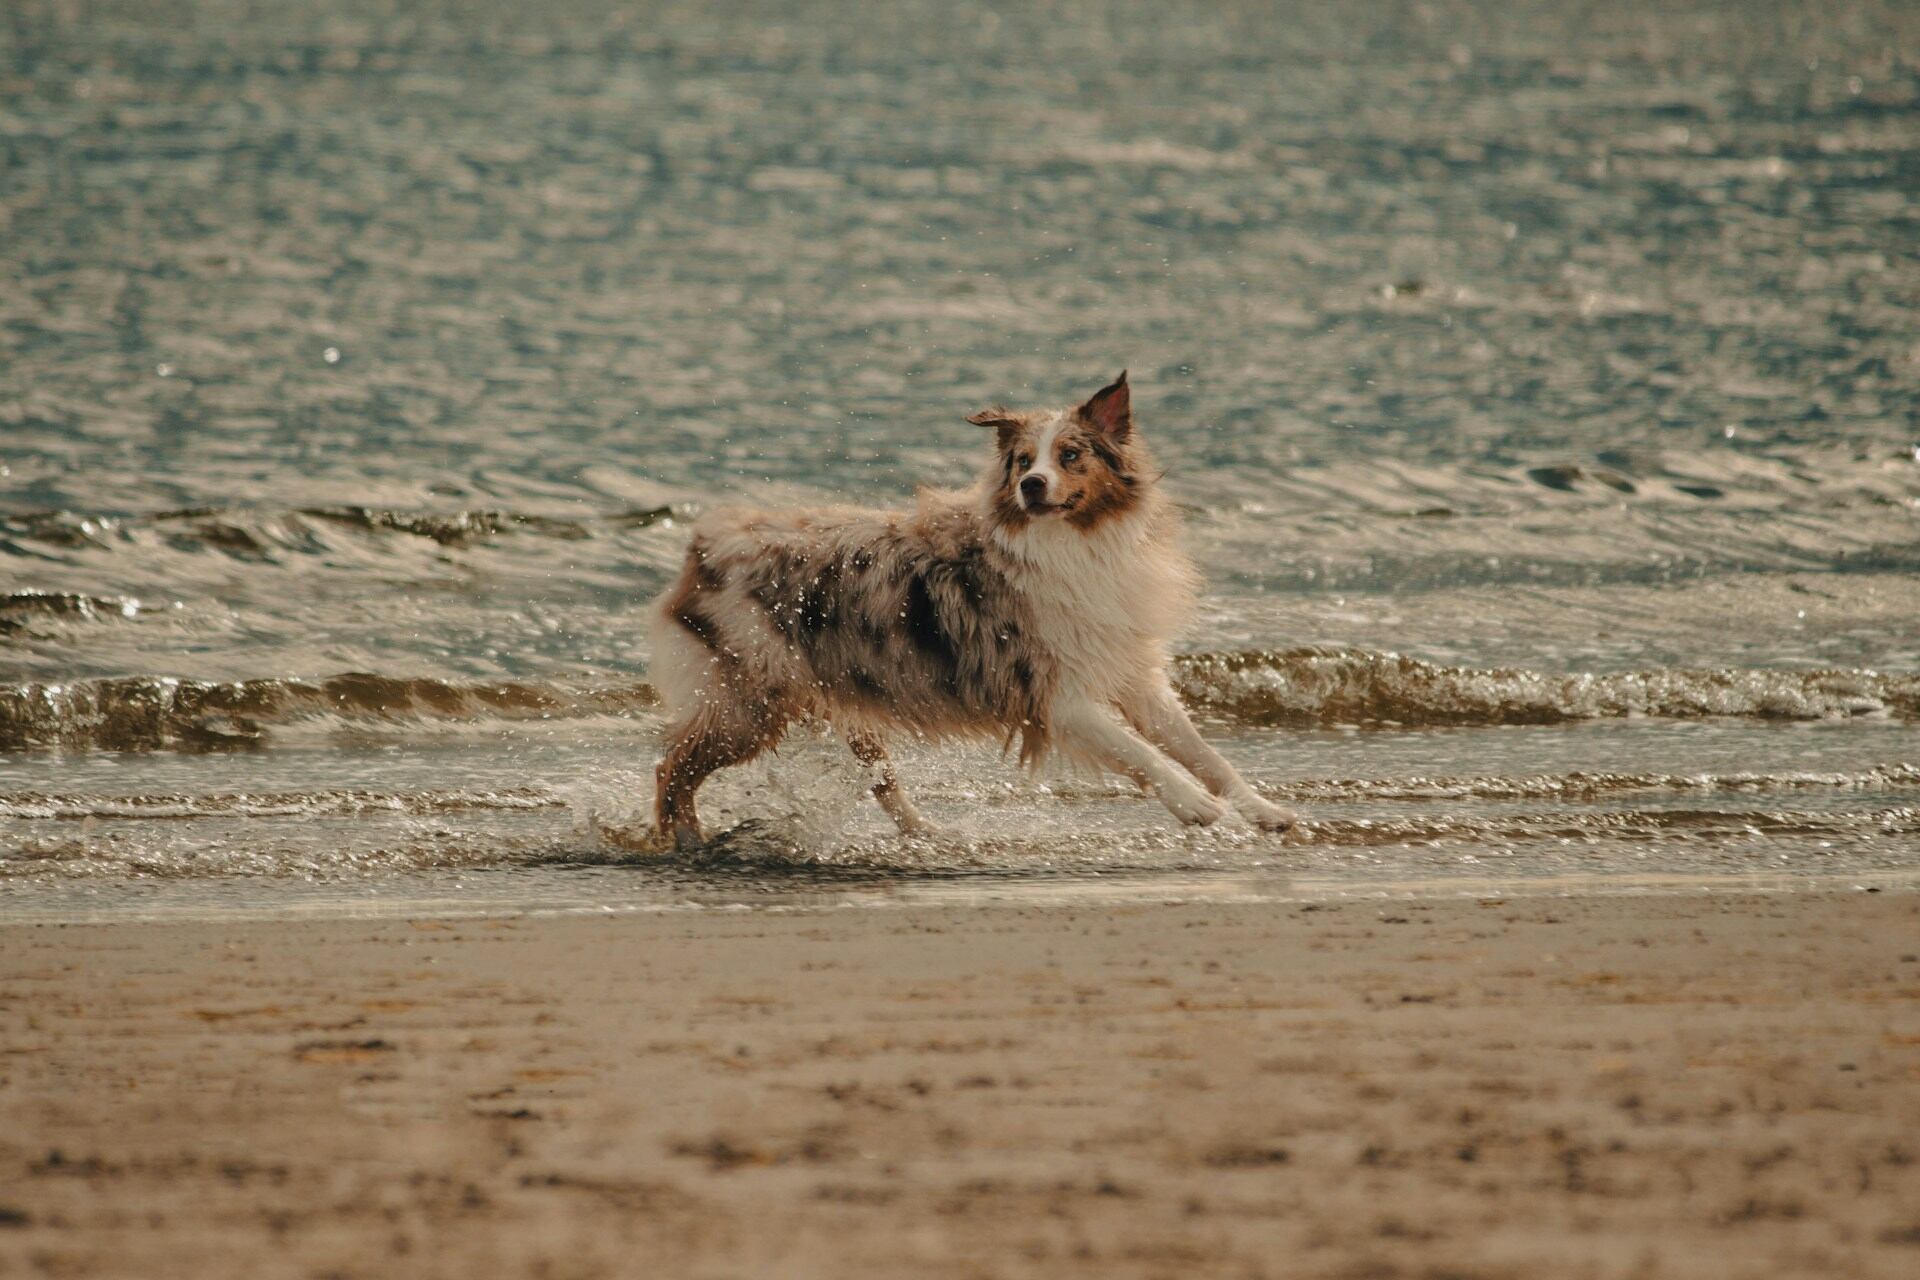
(1051,544)
(1106,600)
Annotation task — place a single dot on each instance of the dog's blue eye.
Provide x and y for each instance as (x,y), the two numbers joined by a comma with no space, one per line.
(1069,455)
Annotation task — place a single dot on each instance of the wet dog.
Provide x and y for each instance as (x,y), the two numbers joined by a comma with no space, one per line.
(1033,607)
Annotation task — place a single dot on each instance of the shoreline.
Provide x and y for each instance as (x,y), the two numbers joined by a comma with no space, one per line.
(1600,1085)
(890,889)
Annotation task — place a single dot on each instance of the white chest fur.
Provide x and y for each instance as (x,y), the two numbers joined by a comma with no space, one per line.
(1105,602)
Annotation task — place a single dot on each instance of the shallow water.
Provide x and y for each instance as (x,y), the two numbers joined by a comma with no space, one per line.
(1542,389)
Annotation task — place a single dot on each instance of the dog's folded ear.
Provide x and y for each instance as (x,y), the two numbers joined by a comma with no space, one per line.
(998,416)
(1110,409)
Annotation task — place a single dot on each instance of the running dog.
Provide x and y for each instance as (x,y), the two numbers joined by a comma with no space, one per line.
(1034,606)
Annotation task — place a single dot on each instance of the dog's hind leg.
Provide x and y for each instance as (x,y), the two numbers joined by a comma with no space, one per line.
(1157,714)
(719,734)
(870,750)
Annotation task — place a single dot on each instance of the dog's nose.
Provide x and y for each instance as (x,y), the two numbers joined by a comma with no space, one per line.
(1034,488)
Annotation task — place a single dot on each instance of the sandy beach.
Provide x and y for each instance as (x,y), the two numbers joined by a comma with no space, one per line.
(1680,1085)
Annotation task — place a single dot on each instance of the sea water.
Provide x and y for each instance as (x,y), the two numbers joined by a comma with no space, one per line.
(1540,386)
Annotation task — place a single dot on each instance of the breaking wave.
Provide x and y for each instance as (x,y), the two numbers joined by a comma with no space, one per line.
(329,803)
(144,713)
(1327,686)
(20,609)
(1592,786)
(1302,688)
(252,534)
(1634,825)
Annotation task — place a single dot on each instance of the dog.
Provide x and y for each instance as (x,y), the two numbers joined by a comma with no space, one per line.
(1034,606)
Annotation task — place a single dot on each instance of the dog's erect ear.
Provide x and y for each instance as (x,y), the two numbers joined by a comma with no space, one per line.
(1110,409)
(997,416)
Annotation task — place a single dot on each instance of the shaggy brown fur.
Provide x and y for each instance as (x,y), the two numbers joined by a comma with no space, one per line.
(979,613)
(878,621)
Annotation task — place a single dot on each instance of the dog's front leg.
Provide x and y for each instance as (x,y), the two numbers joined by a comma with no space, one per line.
(1160,718)
(1090,732)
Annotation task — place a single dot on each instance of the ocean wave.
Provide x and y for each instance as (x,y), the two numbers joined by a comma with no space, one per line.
(324,803)
(251,534)
(1300,688)
(1589,786)
(143,713)
(770,855)
(21,609)
(1593,826)
(1328,686)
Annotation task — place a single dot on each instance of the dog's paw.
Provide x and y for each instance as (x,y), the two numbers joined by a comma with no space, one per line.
(1193,806)
(1267,815)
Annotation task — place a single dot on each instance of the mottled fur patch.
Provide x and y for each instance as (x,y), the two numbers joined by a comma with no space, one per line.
(901,619)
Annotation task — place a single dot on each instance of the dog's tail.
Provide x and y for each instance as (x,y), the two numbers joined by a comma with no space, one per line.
(686,640)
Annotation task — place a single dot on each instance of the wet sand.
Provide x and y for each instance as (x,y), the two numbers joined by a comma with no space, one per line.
(1650,1086)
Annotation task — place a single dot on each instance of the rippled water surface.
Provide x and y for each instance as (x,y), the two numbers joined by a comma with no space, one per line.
(1541,381)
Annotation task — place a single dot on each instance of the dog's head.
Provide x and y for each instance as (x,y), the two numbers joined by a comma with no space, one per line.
(1083,465)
